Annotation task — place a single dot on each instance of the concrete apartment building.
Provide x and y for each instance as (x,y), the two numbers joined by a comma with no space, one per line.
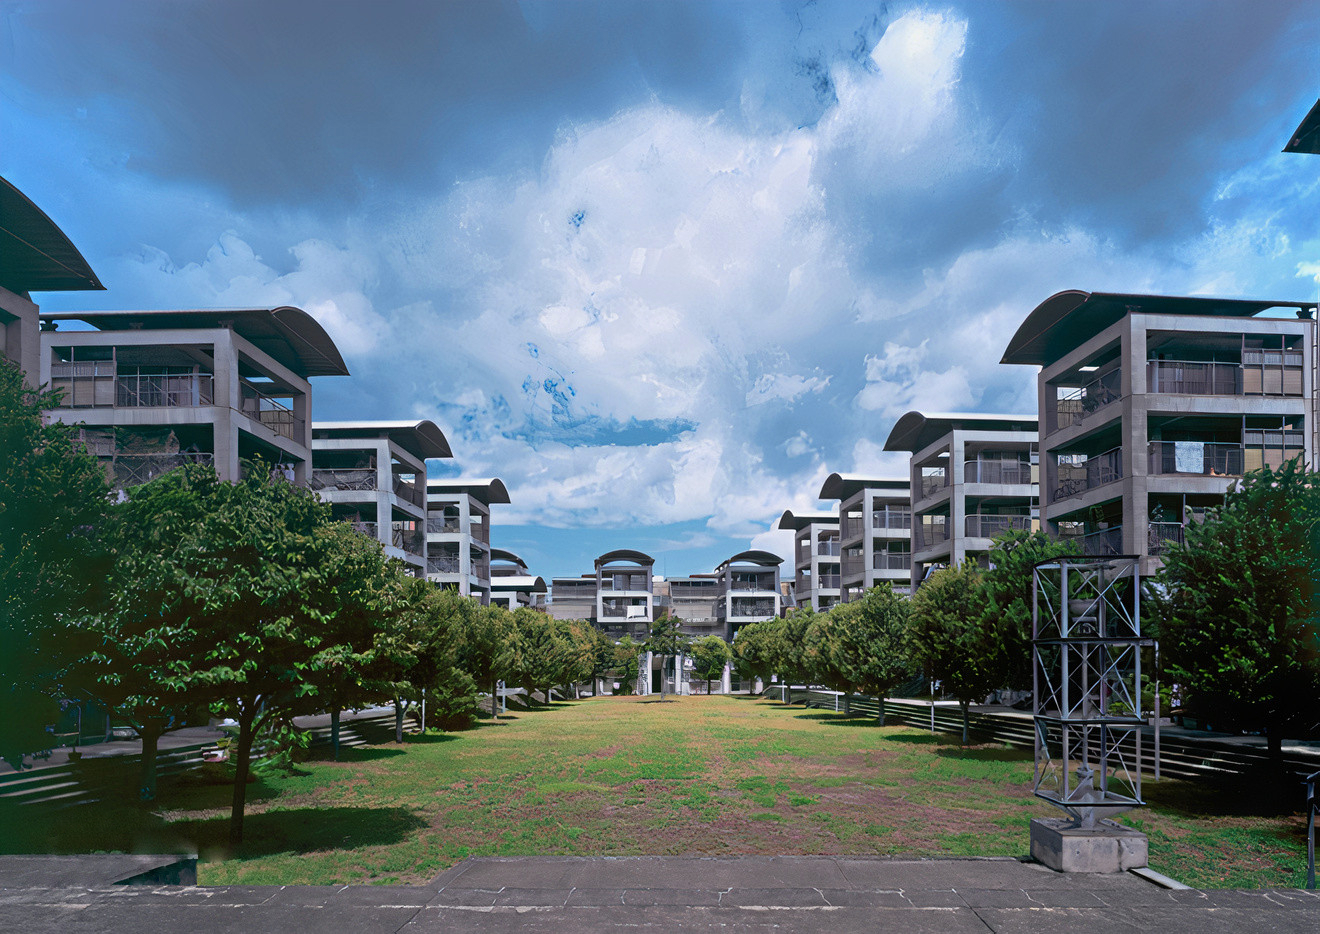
(458,533)
(748,590)
(972,478)
(875,533)
(512,584)
(35,256)
(373,474)
(156,389)
(816,558)
(1151,406)
(695,600)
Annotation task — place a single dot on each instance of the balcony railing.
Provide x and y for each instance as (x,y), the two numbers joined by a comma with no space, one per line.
(891,561)
(828,549)
(1095,395)
(997,471)
(442,525)
(988,526)
(355,479)
(891,519)
(620,611)
(932,483)
(1212,459)
(851,528)
(128,470)
(931,533)
(98,383)
(852,566)
(409,491)
(272,413)
(369,529)
(1102,543)
(412,541)
(444,564)
(827,582)
(1085,474)
(1160,535)
(766,583)
(1194,378)
(753,609)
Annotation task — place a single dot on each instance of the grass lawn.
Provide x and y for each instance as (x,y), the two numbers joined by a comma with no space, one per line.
(630,776)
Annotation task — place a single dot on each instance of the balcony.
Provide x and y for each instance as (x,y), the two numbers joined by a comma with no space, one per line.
(1070,409)
(828,549)
(1276,373)
(99,384)
(827,582)
(897,519)
(766,583)
(412,541)
(1002,471)
(442,525)
(1102,543)
(987,526)
(853,565)
(1077,474)
(635,611)
(931,533)
(271,412)
(128,470)
(444,564)
(932,483)
(355,479)
(752,609)
(1160,535)
(1209,459)
(409,492)
(892,561)
(851,528)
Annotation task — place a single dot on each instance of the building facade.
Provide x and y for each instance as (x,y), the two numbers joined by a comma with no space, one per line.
(815,558)
(156,389)
(875,533)
(1151,406)
(512,584)
(373,474)
(458,534)
(748,591)
(973,477)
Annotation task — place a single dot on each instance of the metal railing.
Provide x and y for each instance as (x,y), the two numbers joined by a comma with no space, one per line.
(753,609)
(997,471)
(932,483)
(407,490)
(271,412)
(988,526)
(412,541)
(96,384)
(761,583)
(354,479)
(444,564)
(931,533)
(853,565)
(1085,474)
(891,519)
(1070,409)
(851,528)
(127,470)
(442,525)
(892,561)
(369,529)
(608,611)
(1194,378)
(1159,535)
(828,549)
(827,582)
(1103,542)
(1214,459)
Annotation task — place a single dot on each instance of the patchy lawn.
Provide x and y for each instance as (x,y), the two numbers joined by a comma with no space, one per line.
(631,776)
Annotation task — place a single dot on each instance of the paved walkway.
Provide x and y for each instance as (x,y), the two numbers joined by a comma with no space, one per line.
(749,895)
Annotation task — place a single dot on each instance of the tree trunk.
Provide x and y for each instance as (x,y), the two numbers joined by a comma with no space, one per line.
(398,720)
(966,705)
(879,708)
(242,765)
(663,658)
(494,698)
(334,732)
(847,704)
(147,776)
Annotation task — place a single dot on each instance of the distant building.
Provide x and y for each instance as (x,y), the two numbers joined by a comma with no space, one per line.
(748,590)
(875,533)
(973,477)
(816,558)
(512,584)
(373,474)
(35,256)
(458,534)
(695,600)
(156,389)
(1152,405)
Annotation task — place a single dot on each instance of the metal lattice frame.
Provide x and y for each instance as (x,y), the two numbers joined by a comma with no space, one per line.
(1086,660)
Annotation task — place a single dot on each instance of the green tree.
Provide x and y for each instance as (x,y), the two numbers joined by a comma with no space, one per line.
(1241,631)
(1008,585)
(486,648)
(604,657)
(667,640)
(53,500)
(577,658)
(950,639)
(789,649)
(626,664)
(868,644)
(709,656)
(753,650)
(443,621)
(539,652)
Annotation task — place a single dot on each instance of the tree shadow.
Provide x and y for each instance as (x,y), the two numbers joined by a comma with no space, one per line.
(984,753)
(1226,797)
(666,700)
(301,830)
(925,739)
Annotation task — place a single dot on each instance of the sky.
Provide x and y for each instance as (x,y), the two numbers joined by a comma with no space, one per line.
(664,266)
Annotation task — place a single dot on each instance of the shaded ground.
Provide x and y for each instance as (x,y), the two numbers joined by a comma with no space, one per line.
(714,776)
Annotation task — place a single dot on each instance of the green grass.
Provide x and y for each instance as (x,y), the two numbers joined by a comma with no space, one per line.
(620,776)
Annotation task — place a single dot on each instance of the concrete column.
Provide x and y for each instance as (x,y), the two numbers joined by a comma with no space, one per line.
(957,502)
(644,673)
(227,404)
(1134,432)
(726,679)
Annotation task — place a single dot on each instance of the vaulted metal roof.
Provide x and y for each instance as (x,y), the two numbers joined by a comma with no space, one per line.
(422,438)
(1307,136)
(35,255)
(1066,320)
(290,335)
(915,430)
(487,490)
(843,486)
(755,556)
(797,522)
(625,554)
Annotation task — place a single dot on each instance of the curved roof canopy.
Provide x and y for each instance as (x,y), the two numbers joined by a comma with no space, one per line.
(35,255)
(1066,320)
(796,523)
(763,558)
(422,439)
(915,430)
(1307,136)
(518,583)
(290,335)
(843,486)
(488,490)
(625,554)
(503,554)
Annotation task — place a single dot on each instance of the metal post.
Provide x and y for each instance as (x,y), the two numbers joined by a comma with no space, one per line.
(1312,806)
(1158,711)
(932,706)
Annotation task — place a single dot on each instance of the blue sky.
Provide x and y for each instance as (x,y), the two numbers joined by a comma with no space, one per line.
(663,266)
